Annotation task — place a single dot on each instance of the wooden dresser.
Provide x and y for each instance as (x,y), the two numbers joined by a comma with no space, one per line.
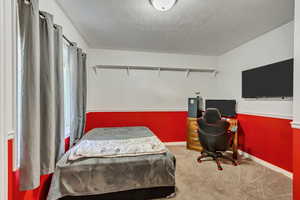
(193,142)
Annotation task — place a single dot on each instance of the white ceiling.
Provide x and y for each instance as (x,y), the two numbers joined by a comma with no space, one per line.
(208,27)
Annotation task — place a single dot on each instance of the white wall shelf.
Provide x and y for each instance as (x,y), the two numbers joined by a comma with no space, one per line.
(159,69)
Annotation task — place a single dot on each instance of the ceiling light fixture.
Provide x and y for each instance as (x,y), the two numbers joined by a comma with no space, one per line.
(163,5)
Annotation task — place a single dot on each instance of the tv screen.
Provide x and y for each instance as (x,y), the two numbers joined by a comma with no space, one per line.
(274,80)
(227,108)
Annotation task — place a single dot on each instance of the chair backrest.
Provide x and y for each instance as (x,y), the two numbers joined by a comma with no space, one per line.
(212,115)
(213,131)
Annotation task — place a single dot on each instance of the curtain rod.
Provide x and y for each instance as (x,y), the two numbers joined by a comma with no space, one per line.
(64,37)
(67,40)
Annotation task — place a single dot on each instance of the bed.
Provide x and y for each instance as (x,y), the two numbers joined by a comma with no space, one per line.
(112,177)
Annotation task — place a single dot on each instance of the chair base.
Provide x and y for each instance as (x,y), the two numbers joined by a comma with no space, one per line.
(216,156)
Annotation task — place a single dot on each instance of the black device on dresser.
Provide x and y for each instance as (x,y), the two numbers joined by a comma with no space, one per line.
(195,107)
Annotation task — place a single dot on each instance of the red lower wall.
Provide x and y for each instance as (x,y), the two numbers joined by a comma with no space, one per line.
(269,139)
(14,193)
(296,163)
(10,170)
(168,126)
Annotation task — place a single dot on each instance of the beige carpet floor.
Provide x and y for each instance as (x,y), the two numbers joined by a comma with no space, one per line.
(248,181)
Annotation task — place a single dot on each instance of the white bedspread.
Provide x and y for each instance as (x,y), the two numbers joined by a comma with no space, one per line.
(117,148)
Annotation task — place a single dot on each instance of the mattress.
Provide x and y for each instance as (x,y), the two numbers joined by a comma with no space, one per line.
(93,176)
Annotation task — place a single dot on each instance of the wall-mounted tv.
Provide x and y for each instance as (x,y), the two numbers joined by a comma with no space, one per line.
(274,80)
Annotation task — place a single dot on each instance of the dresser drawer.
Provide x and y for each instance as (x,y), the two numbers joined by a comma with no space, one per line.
(194,138)
(193,134)
(195,123)
(195,147)
(193,127)
(195,142)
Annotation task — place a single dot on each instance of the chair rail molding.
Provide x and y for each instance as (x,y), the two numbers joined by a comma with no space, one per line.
(173,109)
(266,114)
(295,125)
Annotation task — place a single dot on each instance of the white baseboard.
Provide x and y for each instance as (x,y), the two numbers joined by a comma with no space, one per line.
(267,164)
(175,143)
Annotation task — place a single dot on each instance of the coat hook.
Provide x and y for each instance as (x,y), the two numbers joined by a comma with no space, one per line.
(187,73)
(128,73)
(95,69)
(215,73)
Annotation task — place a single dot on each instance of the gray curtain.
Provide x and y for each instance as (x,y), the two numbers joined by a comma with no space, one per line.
(78,93)
(41,100)
(59,92)
(84,93)
(29,94)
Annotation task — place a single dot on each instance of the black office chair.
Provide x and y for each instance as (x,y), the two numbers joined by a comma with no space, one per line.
(214,137)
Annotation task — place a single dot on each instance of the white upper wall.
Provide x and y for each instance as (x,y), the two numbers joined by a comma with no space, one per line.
(114,90)
(61,18)
(274,46)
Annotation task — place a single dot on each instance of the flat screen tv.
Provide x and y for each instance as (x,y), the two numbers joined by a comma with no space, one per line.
(227,108)
(274,80)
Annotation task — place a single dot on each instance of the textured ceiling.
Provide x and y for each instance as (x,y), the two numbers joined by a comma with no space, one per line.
(208,27)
